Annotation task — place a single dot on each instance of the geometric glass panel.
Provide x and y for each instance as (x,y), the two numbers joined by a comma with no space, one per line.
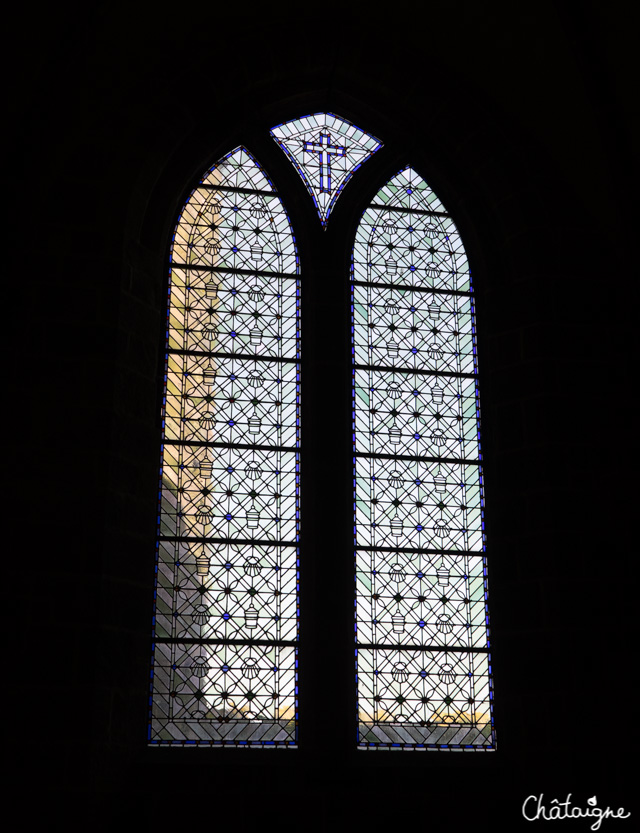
(422,628)
(326,150)
(225,628)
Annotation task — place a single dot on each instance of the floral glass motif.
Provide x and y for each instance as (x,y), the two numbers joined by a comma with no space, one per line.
(224,668)
(422,635)
(326,150)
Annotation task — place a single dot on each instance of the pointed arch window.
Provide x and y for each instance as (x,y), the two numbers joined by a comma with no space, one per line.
(421,606)
(225,629)
(226,624)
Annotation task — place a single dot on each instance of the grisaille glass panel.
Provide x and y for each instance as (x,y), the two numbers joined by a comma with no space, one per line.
(326,150)
(224,669)
(422,633)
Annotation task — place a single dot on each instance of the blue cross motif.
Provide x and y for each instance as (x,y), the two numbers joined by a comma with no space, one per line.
(324,150)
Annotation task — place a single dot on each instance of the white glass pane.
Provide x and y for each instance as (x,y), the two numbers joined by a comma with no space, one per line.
(326,150)
(421,594)
(226,618)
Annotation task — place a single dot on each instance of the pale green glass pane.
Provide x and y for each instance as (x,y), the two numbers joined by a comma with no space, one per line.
(422,416)
(420,576)
(420,599)
(447,519)
(408,249)
(407,190)
(413,330)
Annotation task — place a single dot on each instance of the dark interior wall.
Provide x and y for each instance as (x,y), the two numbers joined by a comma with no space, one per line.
(516,115)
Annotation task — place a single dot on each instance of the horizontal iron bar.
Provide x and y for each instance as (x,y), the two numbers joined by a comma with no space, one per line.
(194,539)
(459,650)
(408,287)
(230,271)
(422,459)
(414,371)
(193,641)
(225,188)
(243,356)
(400,210)
(240,446)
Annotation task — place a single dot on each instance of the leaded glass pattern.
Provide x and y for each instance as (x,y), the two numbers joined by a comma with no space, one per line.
(224,668)
(326,150)
(422,628)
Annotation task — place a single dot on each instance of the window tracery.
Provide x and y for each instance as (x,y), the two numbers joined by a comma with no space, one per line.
(226,624)
(326,151)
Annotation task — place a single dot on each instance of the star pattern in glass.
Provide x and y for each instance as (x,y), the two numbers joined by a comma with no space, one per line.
(224,668)
(422,634)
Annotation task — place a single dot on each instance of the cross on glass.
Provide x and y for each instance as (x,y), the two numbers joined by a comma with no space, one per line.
(324,150)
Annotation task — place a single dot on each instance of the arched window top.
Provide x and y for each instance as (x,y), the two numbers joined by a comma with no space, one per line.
(234,219)
(238,169)
(406,236)
(407,190)
(326,150)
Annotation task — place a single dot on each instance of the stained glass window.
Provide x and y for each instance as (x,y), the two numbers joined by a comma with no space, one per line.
(422,655)
(326,150)
(224,668)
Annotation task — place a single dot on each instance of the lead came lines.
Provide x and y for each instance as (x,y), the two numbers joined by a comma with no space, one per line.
(418,500)
(225,665)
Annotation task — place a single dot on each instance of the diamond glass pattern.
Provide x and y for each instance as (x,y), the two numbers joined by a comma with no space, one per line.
(326,150)
(226,614)
(423,666)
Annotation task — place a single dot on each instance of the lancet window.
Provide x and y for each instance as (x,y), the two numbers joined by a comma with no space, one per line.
(224,666)
(423,668)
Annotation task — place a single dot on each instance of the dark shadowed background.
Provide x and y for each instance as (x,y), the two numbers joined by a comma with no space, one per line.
(518,114)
